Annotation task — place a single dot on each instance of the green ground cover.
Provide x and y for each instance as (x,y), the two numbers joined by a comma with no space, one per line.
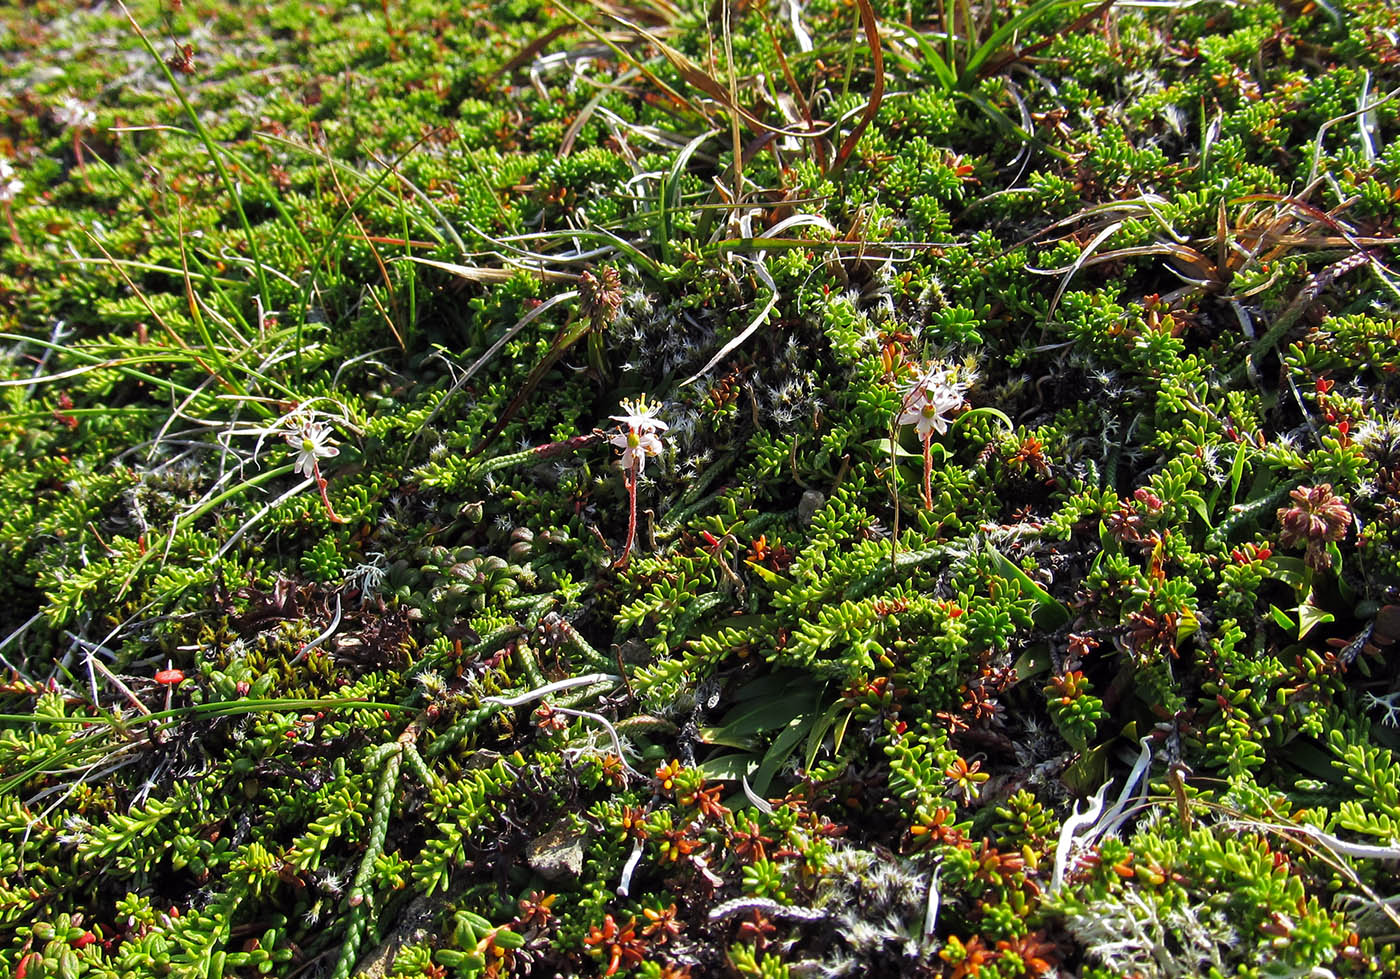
(998,579)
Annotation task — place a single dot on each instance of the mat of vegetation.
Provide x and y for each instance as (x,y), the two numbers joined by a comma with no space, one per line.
(787,490)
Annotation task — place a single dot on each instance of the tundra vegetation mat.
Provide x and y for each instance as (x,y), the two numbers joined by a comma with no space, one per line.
(739,489)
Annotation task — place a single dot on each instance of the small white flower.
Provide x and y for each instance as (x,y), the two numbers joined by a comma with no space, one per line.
(73,114)
(641,438)
(941,377)
(312,440)
(10,185)
(640,416)
(636,446)
(932,397)
(928,416)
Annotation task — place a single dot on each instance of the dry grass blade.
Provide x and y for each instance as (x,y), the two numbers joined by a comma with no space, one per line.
(378,261)
(526,54)
(1020,55)
(736,138)
(798,100)
(1078,263)
(568,335)
(495,348)
(175,337)
(623,55)
(697,77)
(761,270)
(523,322)
(491,274)
(877,90)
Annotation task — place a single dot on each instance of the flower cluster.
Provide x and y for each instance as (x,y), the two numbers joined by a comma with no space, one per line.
(932,397)
(929,401)
(600,296)
(73,114)
(1316,518)
(10,185)
(642,436)
(313,442)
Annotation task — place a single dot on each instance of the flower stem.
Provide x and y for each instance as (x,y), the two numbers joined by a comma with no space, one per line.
(631,480)
(81,166)
(321,485)
(928,472)
(14,231)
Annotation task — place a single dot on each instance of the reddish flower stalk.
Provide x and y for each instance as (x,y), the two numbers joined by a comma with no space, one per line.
(640,439)
(313,442)
(928,402)
(325,499)
(78,117)
(14,230)
(630,478)
(928,473)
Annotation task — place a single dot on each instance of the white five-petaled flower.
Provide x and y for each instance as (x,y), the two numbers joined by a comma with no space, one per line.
(10,185)
(929,412)
(73,114)
(931,398)
(313,442)
(642,436)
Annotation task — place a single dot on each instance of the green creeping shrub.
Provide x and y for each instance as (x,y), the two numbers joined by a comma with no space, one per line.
(1371,775)
(1230,878)
(918,761)
(481,949)
(1076,712)
(457,810)
(834,613)
(324,561)
(848,707)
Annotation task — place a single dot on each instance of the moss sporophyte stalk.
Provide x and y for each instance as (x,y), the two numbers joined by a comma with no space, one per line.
(999,578)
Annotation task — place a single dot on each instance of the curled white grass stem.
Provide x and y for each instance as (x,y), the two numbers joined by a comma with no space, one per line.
(624,886)
(568,683)
(755,800)
(1081,829)
(93,663)
(931,907)
(608,727)
(330,631)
